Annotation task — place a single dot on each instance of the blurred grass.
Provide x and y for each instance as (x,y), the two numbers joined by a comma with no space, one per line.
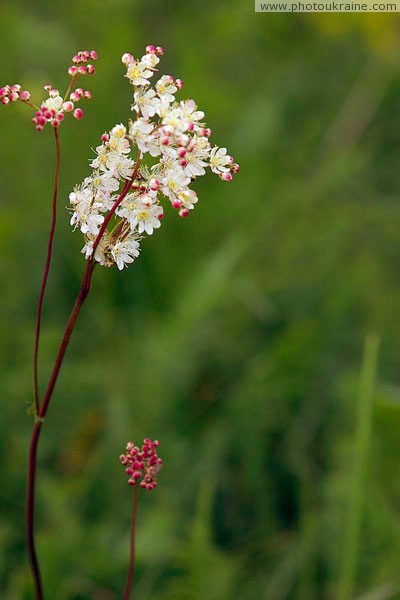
(236,339)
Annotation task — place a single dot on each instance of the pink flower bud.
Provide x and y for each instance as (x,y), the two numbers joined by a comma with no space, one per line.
(4,91)
(82,70)
(88,94)
(154,184)
(127,58)
(226,176)
(105,137)
(68,106)
(183,212)
(176,203)
(14,96)
(34,120)
(41,120)
(74,97)
(76,59)
(150,49)
(183,162)
(94,55)
(160,50)
(60,116)
(179,83)
(47,114)
(235,168)
(72,70)
(190,126)
(91,69)
(53,93)
(39,128)
(164,140)
(25,95)
(47,87)
(182,151)
(78,113)
(56,122)
(16,87)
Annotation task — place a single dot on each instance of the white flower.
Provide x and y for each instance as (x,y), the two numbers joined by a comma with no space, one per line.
(166,88)
(54,103)
(188,198)
(125,252)
(120,165)
(150,60)
(146,102)
(146,218)
(219,159)
(138,73)
(190,112)
(173,182)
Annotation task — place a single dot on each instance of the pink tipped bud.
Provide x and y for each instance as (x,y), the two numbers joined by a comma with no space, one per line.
(88,94)
(132,481)
(105,137)
(25,95)
(41,120)
(60,116)
(235,168)
(74,97)
(191,126)
(76,59)
(142,187)
(82,70)
(137,474)
(176,203)
(129,471)
(4,91)
(183,162)
(78,113)
(16,88)
(226,176)
(208,132)
(72,70)
(53,93)
(229,158)
(183,212)
(34,120)
(94,55)
(179,83)
(127,58)
(47,114)
(154,184)
(160,50)
(14,96)
(142,484)
(182,151)
(164,140)
(91,69)
(150,49)
(39,127)
(56,123)
(47,87)
(79,91)
(68,106)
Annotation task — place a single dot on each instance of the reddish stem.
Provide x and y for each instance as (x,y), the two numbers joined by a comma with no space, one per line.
(41,413)
(46,270)
(131,569)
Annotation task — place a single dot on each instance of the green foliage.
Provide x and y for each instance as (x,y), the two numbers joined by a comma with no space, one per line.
(236,339)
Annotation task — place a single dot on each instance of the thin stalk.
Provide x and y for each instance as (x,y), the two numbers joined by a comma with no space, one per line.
(131,568)
(362,444)
(46,270)
(41,413)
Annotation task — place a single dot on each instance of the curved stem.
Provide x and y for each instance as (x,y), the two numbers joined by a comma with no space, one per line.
(131,569)
(43,407)
(46,270)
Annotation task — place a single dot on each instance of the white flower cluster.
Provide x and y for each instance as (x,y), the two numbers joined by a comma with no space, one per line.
(124,188)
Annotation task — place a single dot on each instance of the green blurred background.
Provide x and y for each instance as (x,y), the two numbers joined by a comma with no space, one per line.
(237,338)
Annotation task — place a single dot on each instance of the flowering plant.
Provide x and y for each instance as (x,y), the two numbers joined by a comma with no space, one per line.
(157,156)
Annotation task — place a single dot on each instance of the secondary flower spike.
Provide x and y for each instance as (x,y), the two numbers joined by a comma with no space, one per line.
(123,187)
(142,463)
(55,107)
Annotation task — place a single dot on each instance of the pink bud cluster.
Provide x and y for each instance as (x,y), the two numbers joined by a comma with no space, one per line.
(142,463)
(13,93)
(80,66)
